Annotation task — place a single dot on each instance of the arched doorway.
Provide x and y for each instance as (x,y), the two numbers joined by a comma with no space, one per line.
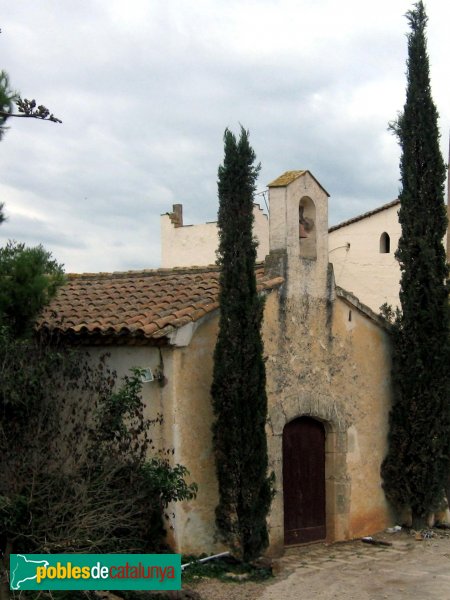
(304,481)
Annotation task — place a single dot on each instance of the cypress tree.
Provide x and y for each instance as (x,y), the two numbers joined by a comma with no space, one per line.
(417,465)
(238,389)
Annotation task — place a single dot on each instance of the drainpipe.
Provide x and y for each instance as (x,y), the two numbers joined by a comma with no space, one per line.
(202,560)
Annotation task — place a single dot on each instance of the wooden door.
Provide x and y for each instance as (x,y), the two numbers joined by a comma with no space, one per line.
(304,481)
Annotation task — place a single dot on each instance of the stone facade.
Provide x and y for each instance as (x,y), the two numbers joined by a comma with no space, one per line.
(327,358)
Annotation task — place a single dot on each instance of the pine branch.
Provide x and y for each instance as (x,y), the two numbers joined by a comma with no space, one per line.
(28,109)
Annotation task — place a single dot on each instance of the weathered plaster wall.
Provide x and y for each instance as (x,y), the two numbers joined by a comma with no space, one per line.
(197,244)
(327,359)
(185,403)
(359,267)
(319,363)
(306,276)
(158,400)
(322,365)
(192,417)
(366,384)
(122,359)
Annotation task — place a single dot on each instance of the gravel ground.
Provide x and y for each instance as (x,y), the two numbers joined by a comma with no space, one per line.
(410,569)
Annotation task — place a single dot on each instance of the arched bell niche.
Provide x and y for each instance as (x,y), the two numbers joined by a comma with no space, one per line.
(307,228)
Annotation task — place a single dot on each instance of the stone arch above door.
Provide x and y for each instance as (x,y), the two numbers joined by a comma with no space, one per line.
(337,482)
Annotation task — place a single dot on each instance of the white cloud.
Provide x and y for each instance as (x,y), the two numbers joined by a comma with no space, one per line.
(146,89)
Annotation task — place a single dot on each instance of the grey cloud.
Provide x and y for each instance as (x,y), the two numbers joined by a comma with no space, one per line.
(145,103)
(34,232)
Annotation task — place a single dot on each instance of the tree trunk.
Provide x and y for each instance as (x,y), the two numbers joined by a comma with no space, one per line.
(419,522)
(4,579)
(4,587)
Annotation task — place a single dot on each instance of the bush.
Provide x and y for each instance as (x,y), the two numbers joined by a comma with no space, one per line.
(74,456)
(29,278)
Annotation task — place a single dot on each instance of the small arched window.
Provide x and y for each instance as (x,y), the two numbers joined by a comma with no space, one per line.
(385,243)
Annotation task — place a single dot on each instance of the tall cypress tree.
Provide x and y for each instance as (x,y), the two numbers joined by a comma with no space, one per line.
(238,389)
(417,464)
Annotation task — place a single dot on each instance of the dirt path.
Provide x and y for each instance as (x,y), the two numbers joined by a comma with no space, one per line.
(408,570)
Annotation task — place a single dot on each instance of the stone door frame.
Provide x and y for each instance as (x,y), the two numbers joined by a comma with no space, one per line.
(337,482)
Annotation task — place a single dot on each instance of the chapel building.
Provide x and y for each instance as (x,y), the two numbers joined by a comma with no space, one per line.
(327,364)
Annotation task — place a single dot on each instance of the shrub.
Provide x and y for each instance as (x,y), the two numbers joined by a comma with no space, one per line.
(79,469)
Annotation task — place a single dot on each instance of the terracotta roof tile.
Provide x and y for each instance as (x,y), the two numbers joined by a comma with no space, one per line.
(136,305)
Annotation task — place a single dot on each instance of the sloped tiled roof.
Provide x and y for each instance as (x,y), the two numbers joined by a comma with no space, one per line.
(364,215)
(285,179)
(290,176)
(136,306)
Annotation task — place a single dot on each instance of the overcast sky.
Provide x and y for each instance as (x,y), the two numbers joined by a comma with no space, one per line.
(145,89)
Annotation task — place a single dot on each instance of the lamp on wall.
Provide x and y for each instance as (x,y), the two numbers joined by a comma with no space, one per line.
(147,375)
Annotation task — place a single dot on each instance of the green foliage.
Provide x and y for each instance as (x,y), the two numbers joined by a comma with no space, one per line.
(238,389)
(29,278)
(166,482)
(71,480)
(7,99)
(417,465)
(223,569)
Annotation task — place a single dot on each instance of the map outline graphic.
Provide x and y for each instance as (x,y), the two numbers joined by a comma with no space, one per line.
(16,586)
